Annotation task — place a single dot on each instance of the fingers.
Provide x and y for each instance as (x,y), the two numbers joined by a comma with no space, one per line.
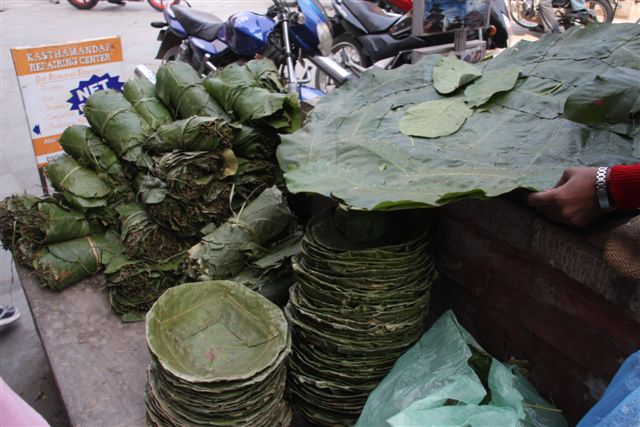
(542,198)
(566,176)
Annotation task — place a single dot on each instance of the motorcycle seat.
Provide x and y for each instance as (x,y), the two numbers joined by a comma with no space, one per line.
(197,23)
(374,19)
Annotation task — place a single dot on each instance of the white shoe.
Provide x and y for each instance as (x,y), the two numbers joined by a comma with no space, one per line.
(8,315)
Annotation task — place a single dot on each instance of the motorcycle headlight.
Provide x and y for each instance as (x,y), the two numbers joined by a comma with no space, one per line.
(324,35)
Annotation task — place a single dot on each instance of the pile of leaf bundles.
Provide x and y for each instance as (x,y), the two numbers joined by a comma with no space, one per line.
(143,238)
(179,86)
(13,208)
(254,93)
(135,284)
(62,264)
(80,187)
(253,176)
(229,249)
(195,176)
(90,151)
(141,93)
(50,221)
(437,131)
(118,123)
(183,216)
(255,143)
(192,134)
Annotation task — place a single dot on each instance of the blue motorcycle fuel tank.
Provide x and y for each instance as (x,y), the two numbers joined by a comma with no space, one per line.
(305,36)
(246,33)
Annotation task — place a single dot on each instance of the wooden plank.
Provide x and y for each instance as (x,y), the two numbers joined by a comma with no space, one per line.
(98,362)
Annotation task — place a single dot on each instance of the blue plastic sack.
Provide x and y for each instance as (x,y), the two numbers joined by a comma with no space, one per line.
(433,384)
(620,403)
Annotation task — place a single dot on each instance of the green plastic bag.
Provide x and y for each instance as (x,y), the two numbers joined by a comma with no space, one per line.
(438,383)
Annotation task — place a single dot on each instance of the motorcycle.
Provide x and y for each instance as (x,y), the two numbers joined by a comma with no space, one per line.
(158,5)
(365,34)
(285,34)
(394,6)
(526,13)
(498,19)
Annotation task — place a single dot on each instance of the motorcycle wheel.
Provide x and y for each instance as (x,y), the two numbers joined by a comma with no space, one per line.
(602,9)
(523,13)
(161,5)
(171,55)
(83,4)
(352,48)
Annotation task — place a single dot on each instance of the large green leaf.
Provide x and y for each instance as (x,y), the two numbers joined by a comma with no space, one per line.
(450,73)
(432,119)
(351,147)
(490,83)
(611,98)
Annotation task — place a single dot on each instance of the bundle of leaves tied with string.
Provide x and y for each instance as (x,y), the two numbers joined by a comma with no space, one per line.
(60,265)
(117,123)
(256,143)
(11,209)
(184,182)
(253,93)
(143,238)
(51,221)
(84,145)
(81,187)
(227,250)
(141,93)
(135,284)
(179,86)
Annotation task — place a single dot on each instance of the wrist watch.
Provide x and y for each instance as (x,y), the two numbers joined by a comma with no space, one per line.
(601,188)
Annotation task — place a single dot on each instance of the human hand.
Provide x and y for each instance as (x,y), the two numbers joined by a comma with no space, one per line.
(573,200)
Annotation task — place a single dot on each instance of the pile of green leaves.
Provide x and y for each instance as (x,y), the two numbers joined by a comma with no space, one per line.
(479,136)
(81,143)
(184,191)
(252,248)
(81,187)
(143,238)
(50,221)
(180,87)
(135,284)
(116,121)
(12,209)
(62,264)
(253,93)
(192,134)
(141,93)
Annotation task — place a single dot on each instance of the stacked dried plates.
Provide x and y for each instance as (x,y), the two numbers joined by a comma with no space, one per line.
(362,294)
(218,354)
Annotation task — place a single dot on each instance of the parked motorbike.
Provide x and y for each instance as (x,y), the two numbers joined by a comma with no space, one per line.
(526,13)
(158,5)
(364,34)
(498,19)
(288,34)
(394,6)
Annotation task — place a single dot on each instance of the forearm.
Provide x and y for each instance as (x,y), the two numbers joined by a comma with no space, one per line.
(624,186)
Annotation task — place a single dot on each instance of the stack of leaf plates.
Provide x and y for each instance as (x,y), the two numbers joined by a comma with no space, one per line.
(364,281)
(218,355)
